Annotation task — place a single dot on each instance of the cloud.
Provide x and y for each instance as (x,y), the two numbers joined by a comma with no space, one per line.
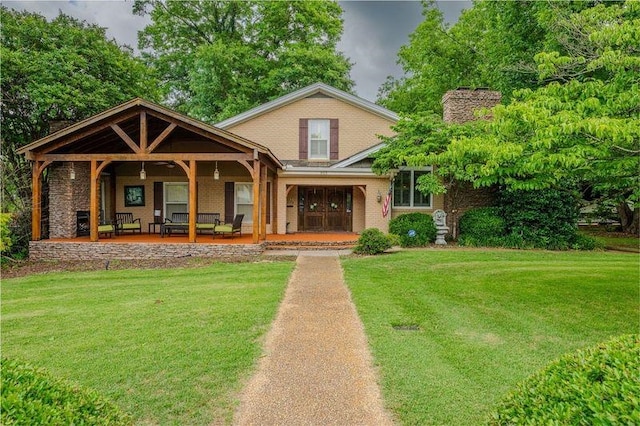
(374,31)
(116,16)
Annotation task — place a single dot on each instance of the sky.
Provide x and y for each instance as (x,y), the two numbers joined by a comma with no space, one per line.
(374,31)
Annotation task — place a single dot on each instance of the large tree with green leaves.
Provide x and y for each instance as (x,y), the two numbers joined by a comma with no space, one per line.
(582,126)
(59,70)
(492,44)
(219,58)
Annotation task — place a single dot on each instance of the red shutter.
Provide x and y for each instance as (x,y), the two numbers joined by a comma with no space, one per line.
(333,139)
(303,145)
(229,201)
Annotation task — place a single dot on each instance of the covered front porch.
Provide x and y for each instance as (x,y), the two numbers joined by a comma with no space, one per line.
(150,163)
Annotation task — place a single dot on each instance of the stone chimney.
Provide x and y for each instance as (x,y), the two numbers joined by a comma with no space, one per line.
(460,105)
(56,125)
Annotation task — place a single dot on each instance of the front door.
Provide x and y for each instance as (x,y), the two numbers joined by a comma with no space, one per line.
(325,209)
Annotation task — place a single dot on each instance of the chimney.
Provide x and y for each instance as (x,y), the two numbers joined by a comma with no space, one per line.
(57,125)
(460,105)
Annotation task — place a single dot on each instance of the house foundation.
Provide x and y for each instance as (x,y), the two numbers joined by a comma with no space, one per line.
(69,250)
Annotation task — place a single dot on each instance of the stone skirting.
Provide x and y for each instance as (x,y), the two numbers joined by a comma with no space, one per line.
(66,250)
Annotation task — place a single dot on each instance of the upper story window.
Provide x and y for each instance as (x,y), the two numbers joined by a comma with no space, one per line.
(319,139)
(405,193)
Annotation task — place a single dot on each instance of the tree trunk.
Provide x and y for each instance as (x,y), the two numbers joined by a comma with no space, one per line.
(629,218)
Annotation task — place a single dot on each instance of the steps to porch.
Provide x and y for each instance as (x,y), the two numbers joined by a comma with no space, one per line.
(305,245)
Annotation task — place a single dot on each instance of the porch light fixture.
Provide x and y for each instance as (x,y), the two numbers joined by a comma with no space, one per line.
(379,196)
(216,173)
(143,173)
(72,173)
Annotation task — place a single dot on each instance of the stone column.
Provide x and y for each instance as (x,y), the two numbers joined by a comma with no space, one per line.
(66,197)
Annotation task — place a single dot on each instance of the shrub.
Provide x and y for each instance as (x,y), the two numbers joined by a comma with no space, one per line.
(585,242)
(5,235)
(482,227)
(543,219)
(373,241)
(599,385)
(32,396)
(414,229)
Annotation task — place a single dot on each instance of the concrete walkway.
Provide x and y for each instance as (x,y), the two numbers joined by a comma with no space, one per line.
(317,369)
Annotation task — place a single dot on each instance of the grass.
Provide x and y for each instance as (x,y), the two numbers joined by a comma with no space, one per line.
(167,346)
(613,240)
(486,319)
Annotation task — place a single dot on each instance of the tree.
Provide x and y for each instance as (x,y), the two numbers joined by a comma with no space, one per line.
(437,59)
(582,126)
(493,44)
(218,58)
(52,71)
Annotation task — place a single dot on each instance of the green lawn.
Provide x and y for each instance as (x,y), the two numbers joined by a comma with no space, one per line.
(487,320)
(167,346)
(613,240)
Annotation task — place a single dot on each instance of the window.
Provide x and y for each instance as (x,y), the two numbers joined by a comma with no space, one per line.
(176,198)
(319,139)
(244,200)
(405,193)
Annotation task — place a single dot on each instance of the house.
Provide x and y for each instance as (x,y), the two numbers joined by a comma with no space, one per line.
(300,163)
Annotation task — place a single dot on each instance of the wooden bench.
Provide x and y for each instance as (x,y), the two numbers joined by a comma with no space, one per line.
(126,222)
(207,222)
(180,222)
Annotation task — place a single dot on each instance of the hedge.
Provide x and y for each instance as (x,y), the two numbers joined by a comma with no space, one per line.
(32,396)
(598,385)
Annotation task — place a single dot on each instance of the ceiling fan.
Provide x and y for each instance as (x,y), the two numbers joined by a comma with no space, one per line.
(169,164)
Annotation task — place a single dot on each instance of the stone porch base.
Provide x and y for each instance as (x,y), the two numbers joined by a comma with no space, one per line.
(67,250)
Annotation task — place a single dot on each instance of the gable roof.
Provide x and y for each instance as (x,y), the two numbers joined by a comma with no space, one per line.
(358,156)
(304,93)
(138,104)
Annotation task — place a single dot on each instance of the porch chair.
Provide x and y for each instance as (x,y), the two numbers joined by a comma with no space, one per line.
(225,229)
(106,229)
(126,222)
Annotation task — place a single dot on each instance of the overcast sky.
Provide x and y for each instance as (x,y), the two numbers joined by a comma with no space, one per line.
(373,30)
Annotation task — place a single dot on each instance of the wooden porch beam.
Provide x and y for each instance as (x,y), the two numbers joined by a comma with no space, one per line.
(36,201)
(193,201)
(89,131)
(274,205)
(247,166)
(263,201)
(102,166)
(36,198)
(93,202)
(147,157)
(162,136)
(197,130)
(256,201)
(143,131)
(125,137)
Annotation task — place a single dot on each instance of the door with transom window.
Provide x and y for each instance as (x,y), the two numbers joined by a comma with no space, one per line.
(325,209)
